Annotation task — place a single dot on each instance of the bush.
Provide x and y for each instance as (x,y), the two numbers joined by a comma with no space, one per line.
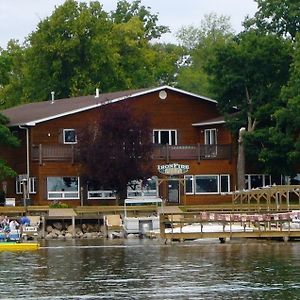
(59,205)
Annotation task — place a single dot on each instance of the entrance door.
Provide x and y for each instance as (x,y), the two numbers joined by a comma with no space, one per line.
(173,191)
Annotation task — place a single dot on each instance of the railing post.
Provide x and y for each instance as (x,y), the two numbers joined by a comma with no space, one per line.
(72,148)
(198,152)
(40,154)
(167,153)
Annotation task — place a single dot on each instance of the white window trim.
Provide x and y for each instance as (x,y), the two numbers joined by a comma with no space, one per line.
(210,136)
(64,136)
(170,135)
(104,194)
(64,193)
(228,182)
(31,186)
(248,178)
(208,193)
(193,184)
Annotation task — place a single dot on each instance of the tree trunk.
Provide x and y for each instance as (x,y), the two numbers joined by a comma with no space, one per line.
(241,161)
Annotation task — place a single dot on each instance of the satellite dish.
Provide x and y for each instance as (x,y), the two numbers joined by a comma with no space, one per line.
(163,95)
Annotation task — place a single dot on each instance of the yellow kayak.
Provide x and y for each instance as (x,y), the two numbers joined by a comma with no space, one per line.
(14,246)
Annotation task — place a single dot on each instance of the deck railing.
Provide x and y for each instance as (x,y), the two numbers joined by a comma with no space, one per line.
(58,152)
(61,152)
(192,152)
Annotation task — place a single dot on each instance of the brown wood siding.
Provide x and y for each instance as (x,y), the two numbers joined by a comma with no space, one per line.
(178,111)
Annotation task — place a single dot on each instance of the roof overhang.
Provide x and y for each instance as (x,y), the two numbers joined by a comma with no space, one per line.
(208,123)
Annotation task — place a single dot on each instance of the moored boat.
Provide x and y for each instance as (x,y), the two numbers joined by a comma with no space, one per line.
(18,246)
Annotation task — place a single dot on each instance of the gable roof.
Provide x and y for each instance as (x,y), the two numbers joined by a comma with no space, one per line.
(33,113)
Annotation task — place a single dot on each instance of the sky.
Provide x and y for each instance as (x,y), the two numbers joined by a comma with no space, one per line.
(18,18)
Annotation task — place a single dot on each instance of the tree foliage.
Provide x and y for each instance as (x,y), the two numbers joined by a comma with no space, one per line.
(6,139)
(81,47)
(281,17)
(199,43)
(116,149)
(248,73)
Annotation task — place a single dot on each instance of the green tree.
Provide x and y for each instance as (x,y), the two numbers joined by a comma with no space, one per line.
(248,73)
(281,17)
(199,42)
(126,11)
(80,47)
(12,62)
(286,134)
(6,139)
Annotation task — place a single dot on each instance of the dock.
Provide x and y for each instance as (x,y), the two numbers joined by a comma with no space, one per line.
(227,225)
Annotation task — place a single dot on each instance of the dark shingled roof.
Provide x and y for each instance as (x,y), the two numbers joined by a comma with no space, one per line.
(33,113)
(38,111)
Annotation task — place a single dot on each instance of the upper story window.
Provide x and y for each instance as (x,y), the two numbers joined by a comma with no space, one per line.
(165,136)
(69,136)
(210,136)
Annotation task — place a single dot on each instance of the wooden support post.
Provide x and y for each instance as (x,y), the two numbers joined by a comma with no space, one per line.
(43,226)
(73,227)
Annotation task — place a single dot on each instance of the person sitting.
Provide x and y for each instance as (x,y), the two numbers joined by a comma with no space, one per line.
(13,225)
(24,221)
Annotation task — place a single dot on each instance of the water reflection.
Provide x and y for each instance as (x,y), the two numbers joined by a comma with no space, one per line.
(147,269)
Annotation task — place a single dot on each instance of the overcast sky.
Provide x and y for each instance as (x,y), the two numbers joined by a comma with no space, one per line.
(18,18)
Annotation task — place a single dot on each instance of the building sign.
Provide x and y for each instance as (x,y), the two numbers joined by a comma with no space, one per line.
(173,169)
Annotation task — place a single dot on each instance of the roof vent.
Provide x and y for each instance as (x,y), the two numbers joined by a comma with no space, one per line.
(97,93)
(52,97)
(163,95)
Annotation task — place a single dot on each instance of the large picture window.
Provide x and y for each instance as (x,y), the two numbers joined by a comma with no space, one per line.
(165,136)
(69,136)
(207,184)
(137,188)
(253,181)
(62,188)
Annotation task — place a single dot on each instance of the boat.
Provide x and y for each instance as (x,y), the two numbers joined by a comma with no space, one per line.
(19,246)
(12,241)
(141,223)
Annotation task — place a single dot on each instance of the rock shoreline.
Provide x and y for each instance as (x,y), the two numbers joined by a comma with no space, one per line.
(58,230)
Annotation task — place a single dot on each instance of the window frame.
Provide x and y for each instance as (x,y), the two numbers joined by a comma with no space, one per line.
(228,183)
(62,192)
(217,176)
(65,130)
(31,185)
(193,184)
(170,131)
(209,135)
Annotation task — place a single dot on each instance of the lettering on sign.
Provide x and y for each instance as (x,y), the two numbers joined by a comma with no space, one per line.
(173,169)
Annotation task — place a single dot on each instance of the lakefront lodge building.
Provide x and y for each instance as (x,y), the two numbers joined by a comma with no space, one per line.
(194,157)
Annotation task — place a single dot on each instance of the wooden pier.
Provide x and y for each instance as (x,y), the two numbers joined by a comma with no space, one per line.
(227,225)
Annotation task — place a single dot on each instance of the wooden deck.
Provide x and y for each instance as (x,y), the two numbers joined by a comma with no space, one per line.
(177,226)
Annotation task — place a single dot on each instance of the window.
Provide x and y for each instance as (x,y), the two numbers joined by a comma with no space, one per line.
(31,185)
(206,184)
(210,141)
(164,137)
(224,183)
(253,181)
(210,136)
(189,184)
(69,136)
(137,188)
(62,188)
(101,194)
(97,192)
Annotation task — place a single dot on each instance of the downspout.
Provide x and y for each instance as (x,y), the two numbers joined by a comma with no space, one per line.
(27,154)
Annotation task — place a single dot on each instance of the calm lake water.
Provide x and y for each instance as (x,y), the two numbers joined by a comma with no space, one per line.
(147,269)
